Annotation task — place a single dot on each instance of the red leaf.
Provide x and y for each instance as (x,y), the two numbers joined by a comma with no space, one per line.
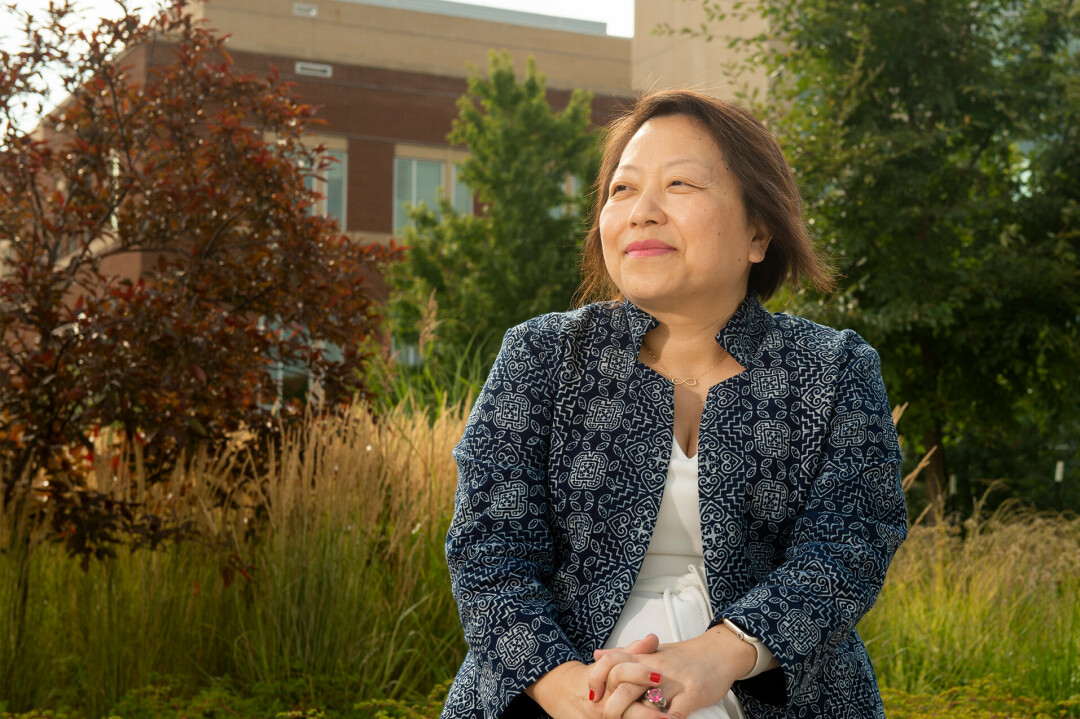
(197,372)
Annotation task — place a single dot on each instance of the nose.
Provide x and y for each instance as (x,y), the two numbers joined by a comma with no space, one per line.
(647,210)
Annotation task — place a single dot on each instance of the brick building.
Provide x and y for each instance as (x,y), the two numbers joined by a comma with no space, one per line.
(386,75)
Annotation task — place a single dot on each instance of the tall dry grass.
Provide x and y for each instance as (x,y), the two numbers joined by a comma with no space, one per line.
(992,596)
(330,562)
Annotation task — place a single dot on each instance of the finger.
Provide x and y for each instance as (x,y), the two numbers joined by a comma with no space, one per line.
(643,710)
(646,645)
(631,673)
(680,707)
(622,698)
(597,676)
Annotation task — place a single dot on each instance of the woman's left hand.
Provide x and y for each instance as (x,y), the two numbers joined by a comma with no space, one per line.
(696,673)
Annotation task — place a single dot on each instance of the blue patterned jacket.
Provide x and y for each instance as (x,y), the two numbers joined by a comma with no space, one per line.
(561,470)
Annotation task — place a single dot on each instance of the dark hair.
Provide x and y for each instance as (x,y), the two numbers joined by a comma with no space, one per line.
(768,188)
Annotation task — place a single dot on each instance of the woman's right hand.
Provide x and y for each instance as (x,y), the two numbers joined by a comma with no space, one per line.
(575,690)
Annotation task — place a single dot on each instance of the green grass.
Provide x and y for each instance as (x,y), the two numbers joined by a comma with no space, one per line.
(987,698)
(337,592)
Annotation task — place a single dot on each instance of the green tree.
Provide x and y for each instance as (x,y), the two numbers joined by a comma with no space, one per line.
(518,257)
(936,144)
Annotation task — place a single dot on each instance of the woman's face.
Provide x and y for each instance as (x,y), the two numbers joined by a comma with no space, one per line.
(674,230)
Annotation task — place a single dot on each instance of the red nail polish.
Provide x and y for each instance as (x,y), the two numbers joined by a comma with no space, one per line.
(655,677)
(592,695)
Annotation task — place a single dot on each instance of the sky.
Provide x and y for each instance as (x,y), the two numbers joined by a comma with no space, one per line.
(618,14)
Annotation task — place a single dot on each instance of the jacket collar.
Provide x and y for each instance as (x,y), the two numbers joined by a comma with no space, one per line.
(741,336)
(639,321)
(744,333)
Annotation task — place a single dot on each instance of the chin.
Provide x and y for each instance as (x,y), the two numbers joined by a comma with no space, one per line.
(648,288)
(652,300)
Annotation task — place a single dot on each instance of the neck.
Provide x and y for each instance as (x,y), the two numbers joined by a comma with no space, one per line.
(695,312)
(685,342)
(690,322)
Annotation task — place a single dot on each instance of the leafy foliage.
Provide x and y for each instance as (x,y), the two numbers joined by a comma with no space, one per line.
(196,168)
(936,146)
(451,378)
(518,257)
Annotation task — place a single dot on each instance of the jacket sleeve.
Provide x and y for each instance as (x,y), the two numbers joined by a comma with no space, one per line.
(852,523)
(499,547)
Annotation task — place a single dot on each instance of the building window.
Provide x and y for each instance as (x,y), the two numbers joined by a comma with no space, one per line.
(415,181)
(462,197)
(330,185)
(570,188)
(425,180)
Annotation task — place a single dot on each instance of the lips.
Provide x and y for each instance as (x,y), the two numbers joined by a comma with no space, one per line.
(648,248)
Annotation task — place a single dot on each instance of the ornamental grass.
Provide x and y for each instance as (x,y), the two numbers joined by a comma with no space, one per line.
(320,584)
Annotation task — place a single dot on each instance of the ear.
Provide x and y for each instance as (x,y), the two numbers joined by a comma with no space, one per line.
(758,246)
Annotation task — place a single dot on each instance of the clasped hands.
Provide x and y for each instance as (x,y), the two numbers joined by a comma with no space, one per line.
(691,674)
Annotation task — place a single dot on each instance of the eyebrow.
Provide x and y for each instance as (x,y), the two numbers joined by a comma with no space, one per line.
(669,163)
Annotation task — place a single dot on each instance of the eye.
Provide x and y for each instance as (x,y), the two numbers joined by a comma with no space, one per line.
(615,189)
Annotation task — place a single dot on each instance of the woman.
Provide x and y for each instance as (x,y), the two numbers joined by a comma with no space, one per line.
(600,431)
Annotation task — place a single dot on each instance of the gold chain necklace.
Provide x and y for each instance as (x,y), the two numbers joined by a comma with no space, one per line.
(688,381)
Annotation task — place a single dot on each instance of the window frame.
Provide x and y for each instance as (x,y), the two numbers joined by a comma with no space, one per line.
(449,157)
(321,185)
(338,145)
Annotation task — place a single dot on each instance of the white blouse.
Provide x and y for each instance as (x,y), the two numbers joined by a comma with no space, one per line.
(671,584)
(676,541)
(670,597)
